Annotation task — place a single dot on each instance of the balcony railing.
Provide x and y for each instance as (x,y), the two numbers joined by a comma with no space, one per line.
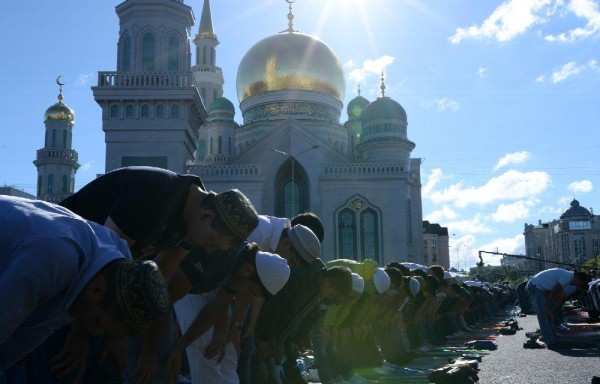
(59,154)
(145,79)
(225,171)
(365,170)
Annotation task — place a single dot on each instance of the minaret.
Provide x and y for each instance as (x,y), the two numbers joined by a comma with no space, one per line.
(151,108)
(209,77)
(57,162)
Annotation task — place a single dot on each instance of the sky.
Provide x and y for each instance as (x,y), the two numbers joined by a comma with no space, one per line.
(502,97)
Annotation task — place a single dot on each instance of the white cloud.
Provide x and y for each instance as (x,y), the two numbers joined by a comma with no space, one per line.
(84,79)
(445,213)
(556,210)
(570,69)
(583,9)
(509,213)
(369,67)
(510,245)
(481,71)
(441,105)
(581,186)
(85,167)
(510,19)
(510,186)
(512,158)
(566,71)
(433,179)
(469,226)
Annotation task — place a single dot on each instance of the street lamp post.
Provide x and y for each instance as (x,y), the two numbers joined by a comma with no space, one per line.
(293,161)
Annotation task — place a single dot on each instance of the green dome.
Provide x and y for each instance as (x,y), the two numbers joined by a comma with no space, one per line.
(59,111)
(356,106)
(575,211)
(221,103)
(384,108)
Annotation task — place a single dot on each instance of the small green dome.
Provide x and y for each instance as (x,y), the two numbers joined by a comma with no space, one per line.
(59,111)
(221,103)
(356,106)
(384,108)
(575,211)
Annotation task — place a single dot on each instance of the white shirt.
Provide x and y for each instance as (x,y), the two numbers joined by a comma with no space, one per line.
(547,280)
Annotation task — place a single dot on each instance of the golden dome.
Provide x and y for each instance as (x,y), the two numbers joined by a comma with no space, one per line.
(290,61)
(59,111)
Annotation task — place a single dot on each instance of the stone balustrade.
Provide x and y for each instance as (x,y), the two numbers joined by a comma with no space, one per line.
(361,170)
(226,171)
(59,154)
(145,79)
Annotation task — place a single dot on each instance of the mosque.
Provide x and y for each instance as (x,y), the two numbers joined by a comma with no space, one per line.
(292,152)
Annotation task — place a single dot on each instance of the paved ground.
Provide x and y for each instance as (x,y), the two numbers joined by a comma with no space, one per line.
(513,364)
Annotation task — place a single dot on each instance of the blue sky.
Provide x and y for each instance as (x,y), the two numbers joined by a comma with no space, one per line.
(502,97)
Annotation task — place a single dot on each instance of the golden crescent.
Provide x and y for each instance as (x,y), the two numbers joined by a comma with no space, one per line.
(58,80)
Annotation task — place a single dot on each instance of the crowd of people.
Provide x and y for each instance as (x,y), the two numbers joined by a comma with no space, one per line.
(144,274)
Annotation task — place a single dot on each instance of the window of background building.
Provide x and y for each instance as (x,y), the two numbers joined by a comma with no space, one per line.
(173,54)
(148,51)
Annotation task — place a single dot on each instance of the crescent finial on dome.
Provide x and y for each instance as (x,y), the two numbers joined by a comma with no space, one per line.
(382,85)
(290,17)
(60,85)
(358,90)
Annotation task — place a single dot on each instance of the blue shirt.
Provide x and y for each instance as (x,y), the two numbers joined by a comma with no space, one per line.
(47,256)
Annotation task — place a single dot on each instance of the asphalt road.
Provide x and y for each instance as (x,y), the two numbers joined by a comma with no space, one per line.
(513,364)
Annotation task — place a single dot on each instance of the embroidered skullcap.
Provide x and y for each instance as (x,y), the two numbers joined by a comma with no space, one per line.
(237,212)
(141,293)
(272,270)
(305,242)
(381,280)
(358,284)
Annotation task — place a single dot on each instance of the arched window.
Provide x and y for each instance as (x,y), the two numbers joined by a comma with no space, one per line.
(114,111)
(204,55)
(369,234)
(358,230)
(63,185)
(144,111)
(54,138)
(197,55)
(40,186)
(64,141)
(291,198)
(201,152)
(160,111)
(347,234)
(212,56)
(173,54)
(229,152)
(126,54)
(148,51)
(175,111)
(210,149)
(129,110)
(50,187)
(220,145)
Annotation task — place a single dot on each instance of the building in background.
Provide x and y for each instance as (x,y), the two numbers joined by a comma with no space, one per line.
(574,238)
(57,162)
(291,154)
(151,107)
(7,190)
(436,248)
